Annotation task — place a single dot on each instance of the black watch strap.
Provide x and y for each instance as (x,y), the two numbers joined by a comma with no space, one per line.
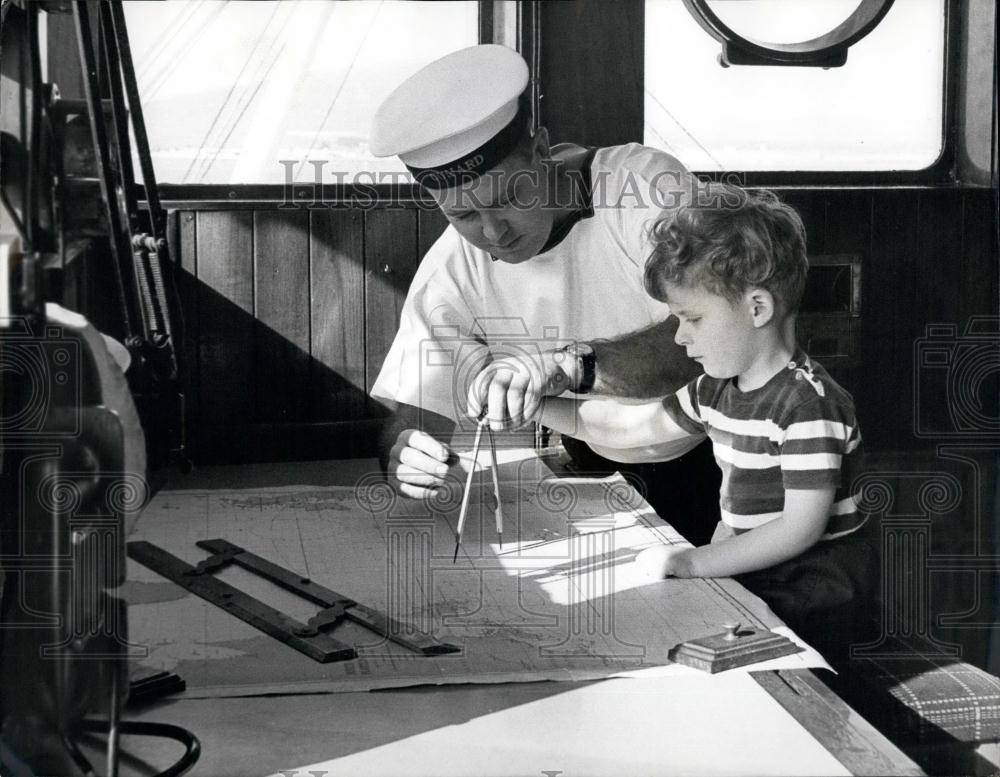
(587,362)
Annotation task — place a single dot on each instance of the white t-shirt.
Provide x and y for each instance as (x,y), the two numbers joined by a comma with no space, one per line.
(463,307)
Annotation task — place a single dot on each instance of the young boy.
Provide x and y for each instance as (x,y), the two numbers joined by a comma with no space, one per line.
(783,432)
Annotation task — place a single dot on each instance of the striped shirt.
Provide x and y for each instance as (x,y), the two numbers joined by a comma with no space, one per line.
(797,431)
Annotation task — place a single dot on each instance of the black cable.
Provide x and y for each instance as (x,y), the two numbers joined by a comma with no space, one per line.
(144,728)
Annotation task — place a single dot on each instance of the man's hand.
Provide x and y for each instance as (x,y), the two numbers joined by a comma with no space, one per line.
(665,561)
(418,464)
(511,389)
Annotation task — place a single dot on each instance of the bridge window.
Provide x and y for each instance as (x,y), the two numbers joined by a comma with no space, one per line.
(229,89)
(882,110)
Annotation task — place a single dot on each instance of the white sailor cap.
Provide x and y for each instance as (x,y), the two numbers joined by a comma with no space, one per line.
(455,118)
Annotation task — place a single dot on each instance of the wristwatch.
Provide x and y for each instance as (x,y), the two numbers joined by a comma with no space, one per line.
(586,366)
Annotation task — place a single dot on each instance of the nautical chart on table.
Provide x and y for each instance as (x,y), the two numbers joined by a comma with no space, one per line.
(559,600)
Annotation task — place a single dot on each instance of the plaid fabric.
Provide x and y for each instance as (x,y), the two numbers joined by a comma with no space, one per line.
(936,696)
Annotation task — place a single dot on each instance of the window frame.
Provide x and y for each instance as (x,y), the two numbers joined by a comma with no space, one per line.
(530,42)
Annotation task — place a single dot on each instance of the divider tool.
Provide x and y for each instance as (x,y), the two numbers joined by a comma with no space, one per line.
(463,511)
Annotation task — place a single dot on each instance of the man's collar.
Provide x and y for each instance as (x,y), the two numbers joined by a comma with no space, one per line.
(582,197)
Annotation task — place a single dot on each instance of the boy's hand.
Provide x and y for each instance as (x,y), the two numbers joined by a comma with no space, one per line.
(665,561)
(510,389)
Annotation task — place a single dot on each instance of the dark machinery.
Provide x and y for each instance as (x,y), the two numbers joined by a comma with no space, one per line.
(86,423)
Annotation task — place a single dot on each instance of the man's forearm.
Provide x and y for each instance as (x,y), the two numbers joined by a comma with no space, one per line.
(643,364)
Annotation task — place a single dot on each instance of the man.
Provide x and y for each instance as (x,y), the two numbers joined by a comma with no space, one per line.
(545,248)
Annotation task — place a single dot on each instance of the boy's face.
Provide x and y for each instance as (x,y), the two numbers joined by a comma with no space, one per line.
(717,334)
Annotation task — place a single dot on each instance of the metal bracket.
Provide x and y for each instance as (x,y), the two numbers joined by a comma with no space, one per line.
(308,638)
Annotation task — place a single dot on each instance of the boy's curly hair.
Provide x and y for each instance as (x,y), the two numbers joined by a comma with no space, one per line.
(729,241)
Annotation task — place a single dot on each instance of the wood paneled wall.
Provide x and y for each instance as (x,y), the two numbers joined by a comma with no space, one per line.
(288,316)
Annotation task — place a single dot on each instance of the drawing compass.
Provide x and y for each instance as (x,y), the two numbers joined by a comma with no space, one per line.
(482,421)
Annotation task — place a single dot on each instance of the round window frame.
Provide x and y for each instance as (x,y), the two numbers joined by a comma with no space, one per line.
(827,50)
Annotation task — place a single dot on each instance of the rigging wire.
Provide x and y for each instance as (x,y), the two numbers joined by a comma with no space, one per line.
(185,48)
(664,143)
(207,168)
(310,39)
(188,42)
(229,95)
(165,38)
(684,129)
(276,40)
(340,87)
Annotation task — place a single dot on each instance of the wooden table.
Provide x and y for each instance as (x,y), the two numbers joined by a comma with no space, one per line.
(783,722)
